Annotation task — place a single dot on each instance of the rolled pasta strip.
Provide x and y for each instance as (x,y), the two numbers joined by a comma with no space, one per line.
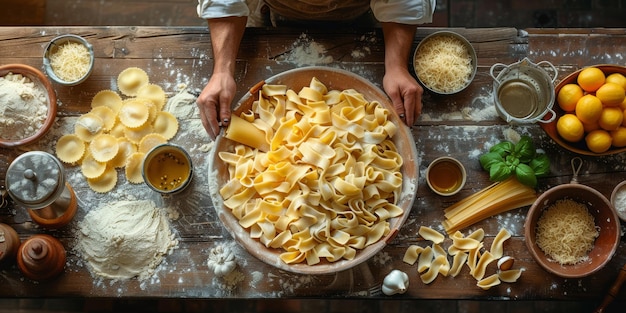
(488,282)
(473,257)
(430,234)
(434,269)
(411,254)
(457,263)
(273,90)
(510,276)
(465,243)
(481,266)
(497,246)
(425,259)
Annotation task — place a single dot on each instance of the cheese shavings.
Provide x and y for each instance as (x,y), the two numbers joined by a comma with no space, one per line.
(70,61)
(443,63)
(566,231)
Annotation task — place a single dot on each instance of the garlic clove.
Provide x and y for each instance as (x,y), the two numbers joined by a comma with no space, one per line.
(505,263)
(396,282)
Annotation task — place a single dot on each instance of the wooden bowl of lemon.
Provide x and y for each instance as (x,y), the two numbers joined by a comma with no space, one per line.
(590,108)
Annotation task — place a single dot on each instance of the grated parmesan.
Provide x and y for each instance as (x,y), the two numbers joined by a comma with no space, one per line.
(70,61)
(443,64)
(566,232)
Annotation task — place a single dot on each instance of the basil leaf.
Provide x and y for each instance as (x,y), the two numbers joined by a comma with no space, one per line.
(540,164)
(499,172)
(526,175)
(503,148)
(525,149)
(488,159)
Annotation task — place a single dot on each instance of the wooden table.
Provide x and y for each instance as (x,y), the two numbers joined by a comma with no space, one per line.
(463,126)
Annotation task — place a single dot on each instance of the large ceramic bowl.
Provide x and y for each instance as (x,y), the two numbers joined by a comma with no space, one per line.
(333,79)
(605,218)
(550,127)
(41,81)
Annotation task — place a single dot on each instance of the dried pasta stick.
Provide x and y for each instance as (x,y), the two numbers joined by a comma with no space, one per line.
(497,198)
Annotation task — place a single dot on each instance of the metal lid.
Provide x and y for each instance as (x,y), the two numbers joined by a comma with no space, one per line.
(35,179)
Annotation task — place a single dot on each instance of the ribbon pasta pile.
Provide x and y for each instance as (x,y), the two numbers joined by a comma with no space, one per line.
(465,250)
(330,178)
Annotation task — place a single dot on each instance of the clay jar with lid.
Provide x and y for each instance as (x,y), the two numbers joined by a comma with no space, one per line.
(9,244)
(36,181)
(41,257)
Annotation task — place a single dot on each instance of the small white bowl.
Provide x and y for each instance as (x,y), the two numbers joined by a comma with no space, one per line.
(53,46)
(619,203)
(446,176)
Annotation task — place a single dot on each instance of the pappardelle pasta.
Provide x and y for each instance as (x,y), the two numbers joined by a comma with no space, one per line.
(329,181)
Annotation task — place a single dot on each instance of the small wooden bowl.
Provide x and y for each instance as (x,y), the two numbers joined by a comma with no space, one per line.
(42,81)
(550,127)
(403,139)
(605,218)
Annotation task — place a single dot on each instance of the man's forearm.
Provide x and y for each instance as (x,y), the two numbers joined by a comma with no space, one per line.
(226,34)
(398,42)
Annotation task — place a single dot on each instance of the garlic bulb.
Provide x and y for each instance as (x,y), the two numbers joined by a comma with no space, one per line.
(221,261)
(395,282)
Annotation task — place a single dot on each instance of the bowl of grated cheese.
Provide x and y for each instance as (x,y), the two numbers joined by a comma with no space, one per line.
(445,62)
(68,59)
(572,230)
(28,105)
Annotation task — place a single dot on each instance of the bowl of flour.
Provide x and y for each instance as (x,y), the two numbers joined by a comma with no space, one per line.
(28,105)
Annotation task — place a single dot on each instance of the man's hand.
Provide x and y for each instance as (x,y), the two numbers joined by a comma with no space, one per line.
(403,90)
(215,101)
(405,94)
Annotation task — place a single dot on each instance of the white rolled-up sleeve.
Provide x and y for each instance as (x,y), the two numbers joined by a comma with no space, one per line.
(404,12)
(208,9)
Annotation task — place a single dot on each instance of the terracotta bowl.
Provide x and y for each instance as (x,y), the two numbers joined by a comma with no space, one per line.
(42,81)
(605,218)
(467,45)
(333,79)
(550,127)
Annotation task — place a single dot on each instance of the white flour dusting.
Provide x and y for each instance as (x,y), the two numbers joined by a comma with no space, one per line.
(125,239)
(306,51)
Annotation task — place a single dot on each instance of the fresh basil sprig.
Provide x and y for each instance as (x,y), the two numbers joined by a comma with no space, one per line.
(522,160)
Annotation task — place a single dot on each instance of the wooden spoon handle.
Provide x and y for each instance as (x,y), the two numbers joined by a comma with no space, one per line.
(613,290)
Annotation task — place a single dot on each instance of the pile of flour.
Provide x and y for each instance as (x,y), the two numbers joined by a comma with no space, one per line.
(23,107)
(125,239)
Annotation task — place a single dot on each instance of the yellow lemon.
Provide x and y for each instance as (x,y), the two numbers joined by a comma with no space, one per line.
(617,78)
(611,94)
(623,104)
(619,137)
(588,109)
(590,79)
(611,118)
(599,140)
(568,96)
(570,127)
